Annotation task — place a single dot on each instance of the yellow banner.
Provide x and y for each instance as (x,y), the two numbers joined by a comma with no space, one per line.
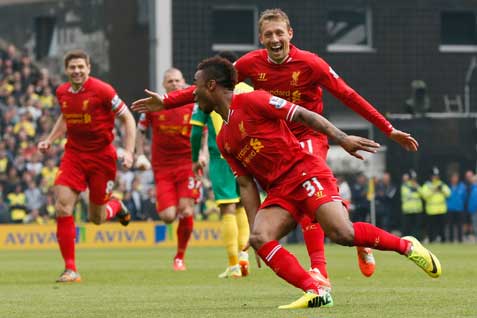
(137,234)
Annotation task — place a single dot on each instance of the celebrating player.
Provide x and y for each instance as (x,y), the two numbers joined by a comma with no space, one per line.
(299,76)
(235,228)
(257,143)
(176,187)
(88,109)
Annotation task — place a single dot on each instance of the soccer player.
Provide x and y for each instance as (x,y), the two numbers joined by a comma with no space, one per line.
(89,107)
(176,187)
(257,142)
(235,228)
(299,77)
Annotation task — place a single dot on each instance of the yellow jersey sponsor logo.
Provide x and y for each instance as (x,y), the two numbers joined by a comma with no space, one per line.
(262,77)
(296,96)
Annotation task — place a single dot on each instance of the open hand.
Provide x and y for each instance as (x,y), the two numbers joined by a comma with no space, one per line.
(404,139)
(352,144)
(153,103)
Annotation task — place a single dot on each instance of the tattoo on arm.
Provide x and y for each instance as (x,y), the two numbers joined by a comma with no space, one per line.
(319,123)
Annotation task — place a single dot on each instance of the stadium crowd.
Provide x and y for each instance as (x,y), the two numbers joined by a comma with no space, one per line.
(436,210)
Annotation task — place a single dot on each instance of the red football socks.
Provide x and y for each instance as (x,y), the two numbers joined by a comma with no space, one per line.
(112,208)
(368,235)
(184,231)
(66,235)
(314,239)
(286,265)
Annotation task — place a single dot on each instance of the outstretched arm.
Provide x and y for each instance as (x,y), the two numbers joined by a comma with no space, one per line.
(156,102)
(352,144)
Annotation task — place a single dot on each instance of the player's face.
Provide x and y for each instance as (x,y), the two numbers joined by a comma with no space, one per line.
(173,81)
(77,71)
(202,94)
(275,36)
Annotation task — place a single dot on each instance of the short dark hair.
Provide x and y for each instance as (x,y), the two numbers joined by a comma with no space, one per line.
(219,69)
(76,54)
(228,55)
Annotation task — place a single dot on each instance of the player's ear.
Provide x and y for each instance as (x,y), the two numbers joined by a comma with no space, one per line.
(290,33)
(211,84)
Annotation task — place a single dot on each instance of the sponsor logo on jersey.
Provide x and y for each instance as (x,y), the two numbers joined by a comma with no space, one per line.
(262,77)
(64,105)
(294,81)
(296,96)
(335,75)
(277,102)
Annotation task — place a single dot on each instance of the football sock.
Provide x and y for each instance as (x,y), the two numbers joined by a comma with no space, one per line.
(184,231)
(243,227)
(286,265)
(368,235)
(112,208)
(229,232)
(66,235)
(314,238)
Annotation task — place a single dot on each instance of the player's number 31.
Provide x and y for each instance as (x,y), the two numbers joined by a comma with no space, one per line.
(312,185)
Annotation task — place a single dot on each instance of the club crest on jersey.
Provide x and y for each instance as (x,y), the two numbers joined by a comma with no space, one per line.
(335,75)
(294,81)
(241,127)
(85,104)
(277,102)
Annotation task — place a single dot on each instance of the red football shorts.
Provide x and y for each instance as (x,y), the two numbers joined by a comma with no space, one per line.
(174,184)
(96,171)
(303,199)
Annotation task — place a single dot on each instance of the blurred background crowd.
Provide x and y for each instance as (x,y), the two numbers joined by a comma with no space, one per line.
(429,206)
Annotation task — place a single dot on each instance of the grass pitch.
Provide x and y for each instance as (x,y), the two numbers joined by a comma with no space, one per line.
(140,283)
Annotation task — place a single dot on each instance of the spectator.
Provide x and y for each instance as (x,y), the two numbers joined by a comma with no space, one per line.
(359,196)
(455,208)
(412,207)
(435,192)
(472,206)
(385,198)
(17,203)
(34,201)
(468,225)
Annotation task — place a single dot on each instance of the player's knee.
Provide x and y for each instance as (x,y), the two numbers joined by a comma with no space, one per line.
(94,218)
(257,239)
(63,208)
(167,218)
(342,235)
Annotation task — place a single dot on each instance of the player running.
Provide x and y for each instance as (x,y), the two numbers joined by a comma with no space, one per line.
(89,107)
(257,143)
(176,187)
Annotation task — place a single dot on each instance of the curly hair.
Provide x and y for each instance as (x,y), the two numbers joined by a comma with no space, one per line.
(219,69)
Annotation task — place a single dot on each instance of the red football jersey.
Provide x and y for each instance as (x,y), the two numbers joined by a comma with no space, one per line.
(255,140)
(170,136)
(89,114)
(299,79)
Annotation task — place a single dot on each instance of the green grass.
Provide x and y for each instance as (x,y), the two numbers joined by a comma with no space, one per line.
(140,283)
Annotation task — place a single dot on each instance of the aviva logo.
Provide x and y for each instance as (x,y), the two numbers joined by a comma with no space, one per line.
(29,238)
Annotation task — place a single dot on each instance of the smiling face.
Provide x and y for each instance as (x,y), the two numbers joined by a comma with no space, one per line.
(275,36)
(77,70)
(201,93)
